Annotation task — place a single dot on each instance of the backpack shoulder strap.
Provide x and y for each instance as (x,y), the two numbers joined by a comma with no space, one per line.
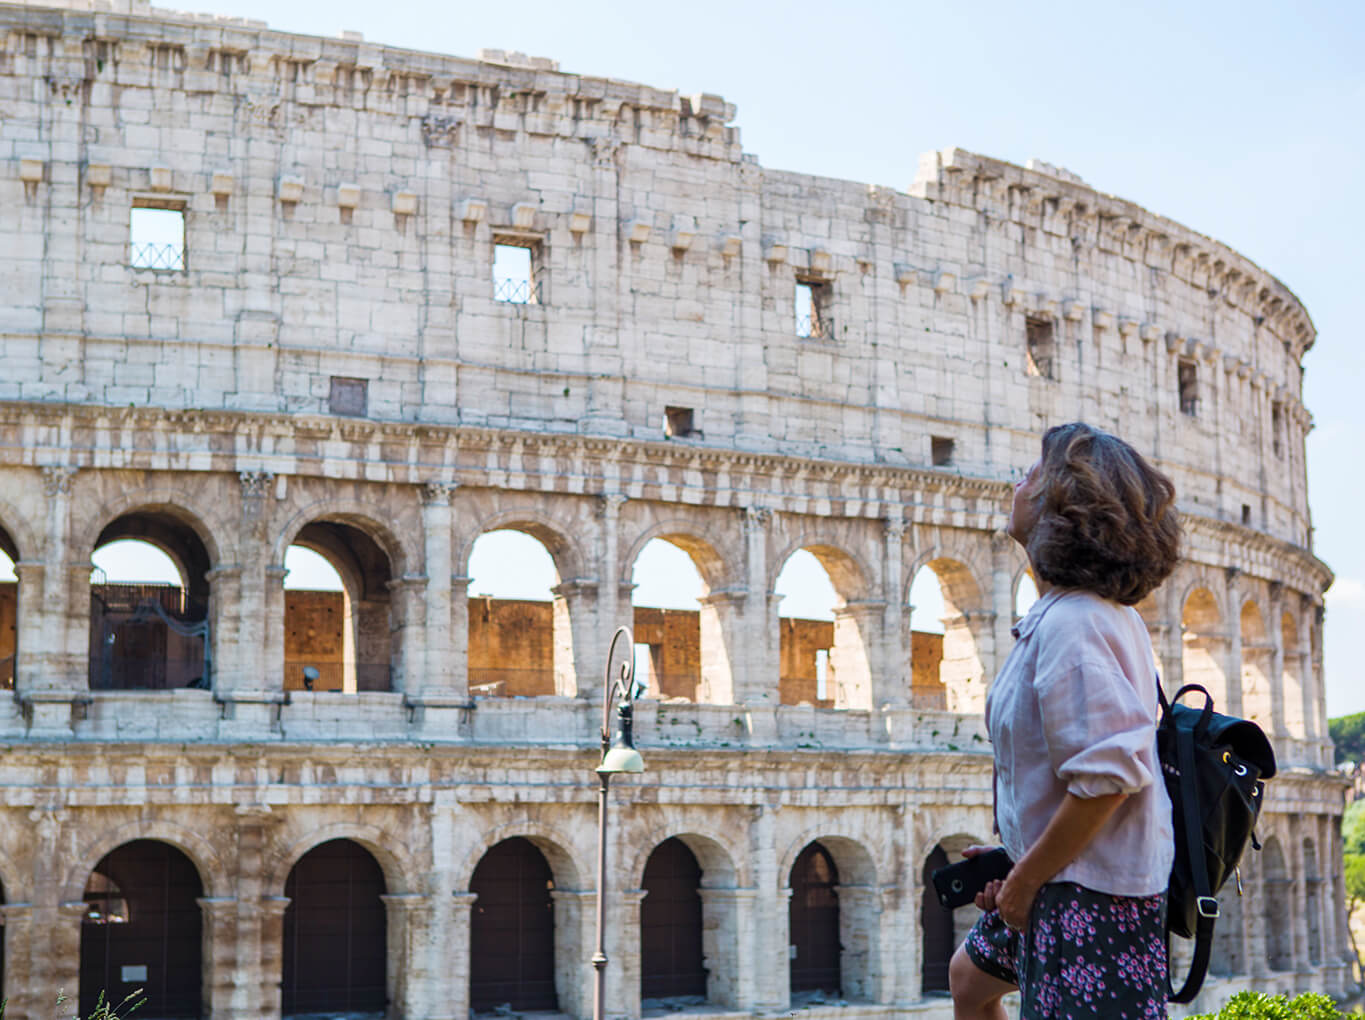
(1193,849)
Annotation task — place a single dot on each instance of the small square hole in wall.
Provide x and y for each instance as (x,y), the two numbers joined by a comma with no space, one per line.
(1041,339)
(156,238)
(349,396)
(679,422)
(1246,515)
(941,450)
(811,308)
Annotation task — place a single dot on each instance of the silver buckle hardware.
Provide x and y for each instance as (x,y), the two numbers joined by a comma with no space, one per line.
(1208,906)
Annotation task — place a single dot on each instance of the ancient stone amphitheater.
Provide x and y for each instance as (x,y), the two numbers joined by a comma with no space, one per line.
(407,300)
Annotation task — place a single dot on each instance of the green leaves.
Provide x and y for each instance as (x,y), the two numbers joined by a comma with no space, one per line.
(1348,733)
(1259,1006)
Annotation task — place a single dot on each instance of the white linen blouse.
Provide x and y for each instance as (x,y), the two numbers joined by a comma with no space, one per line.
(1074,710)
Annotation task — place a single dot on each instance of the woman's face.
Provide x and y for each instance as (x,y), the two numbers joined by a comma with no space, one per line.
(1024,510)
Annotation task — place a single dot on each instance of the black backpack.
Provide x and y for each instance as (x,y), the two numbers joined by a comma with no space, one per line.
(1214,767)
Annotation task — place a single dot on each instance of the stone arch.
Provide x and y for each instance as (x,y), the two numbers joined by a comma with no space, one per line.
(1279,914)
(570,559)
(213,872)
(1313,885)
(1203,642)
(941,929)
(857,864)
(950,674)
(569,866)
(849,643)
(400,870)
(18,534)
(403,550)
(12,888)
(724,861)
(1258,656)
(213,531)
(858,900)
(719,564)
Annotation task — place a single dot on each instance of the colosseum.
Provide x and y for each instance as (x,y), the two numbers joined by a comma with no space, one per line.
(400,301)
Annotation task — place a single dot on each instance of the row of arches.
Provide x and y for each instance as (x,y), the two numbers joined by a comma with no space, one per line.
(142,930)
(345,619)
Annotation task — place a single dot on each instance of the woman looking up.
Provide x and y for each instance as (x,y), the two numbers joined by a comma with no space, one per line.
(1078,925)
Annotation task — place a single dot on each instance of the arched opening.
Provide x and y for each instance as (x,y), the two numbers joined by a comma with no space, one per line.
(936,929)
(1257,657)
(1291,677)
(816,950)
(668,625)
(142,929)
(149,604)
(512,930)
(1202,645)
(1312,895)
(1279,915)
(823,651)
(335,932)
(520,644)
(339,616)
(671,960)
(9,611)
(945,666)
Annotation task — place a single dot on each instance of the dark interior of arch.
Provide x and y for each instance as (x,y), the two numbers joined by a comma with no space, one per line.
(8,547)
(512,930)
(671,924)
(335,932)
(814,922)
(357,557)
(936,923)
(152,636)
(142,929)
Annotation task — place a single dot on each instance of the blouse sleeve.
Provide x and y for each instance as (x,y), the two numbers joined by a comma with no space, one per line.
(1096,729)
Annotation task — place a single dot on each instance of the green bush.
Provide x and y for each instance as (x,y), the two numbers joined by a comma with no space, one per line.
(1348,733)
(1259,1006)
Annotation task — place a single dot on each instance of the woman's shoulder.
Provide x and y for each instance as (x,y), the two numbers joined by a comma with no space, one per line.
(1076,610)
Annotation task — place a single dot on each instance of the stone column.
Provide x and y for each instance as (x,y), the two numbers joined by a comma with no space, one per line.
(612,610)
(1232,649)
(57,959)
(721,625)
(251,991)
(606,366)
(623,949)
(437,670)
(456,974)
(19,988)
(857,660)
(219,956)
(270,969)
(62,339)
(30,664)
(459,637)
(58,617)
(766,984)
(1278,705)
(575,937)
(891,678)
(578,663)
(225,639)
(728,933)
(755,656)
(860,921)
(408,918)
(1172,647)
(752,428)
(407,632)
(1002,603)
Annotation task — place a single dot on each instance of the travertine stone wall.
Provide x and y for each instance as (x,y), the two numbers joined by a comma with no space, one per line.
(341,204)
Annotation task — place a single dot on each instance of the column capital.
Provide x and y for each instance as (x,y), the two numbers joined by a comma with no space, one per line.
(273,905)
(575,587)
(57,478)
(255,484)
(219,907)
(435,492)
(609,504)
(1001,542)
(756,518)
(407,583)
(894,528)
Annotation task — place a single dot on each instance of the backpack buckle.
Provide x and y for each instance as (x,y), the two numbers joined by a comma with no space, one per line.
(1207,906)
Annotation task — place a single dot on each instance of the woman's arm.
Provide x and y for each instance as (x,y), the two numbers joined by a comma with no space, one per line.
(1076,822)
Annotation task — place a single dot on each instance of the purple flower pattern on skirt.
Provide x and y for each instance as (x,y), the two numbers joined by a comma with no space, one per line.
(1085,954)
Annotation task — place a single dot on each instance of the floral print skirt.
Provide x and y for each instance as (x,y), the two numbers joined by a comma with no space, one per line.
(1085,954)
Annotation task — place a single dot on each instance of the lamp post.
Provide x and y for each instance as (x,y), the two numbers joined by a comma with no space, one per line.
(618,755)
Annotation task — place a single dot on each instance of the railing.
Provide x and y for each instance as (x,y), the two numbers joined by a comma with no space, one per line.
(815,327)
(165,257)
(517,292)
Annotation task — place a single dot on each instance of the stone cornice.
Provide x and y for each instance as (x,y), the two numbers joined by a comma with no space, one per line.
(1024,195)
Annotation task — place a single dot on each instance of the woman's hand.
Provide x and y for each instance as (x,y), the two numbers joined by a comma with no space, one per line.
(1013,898)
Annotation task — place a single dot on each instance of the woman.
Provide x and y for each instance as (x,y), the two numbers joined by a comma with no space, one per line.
(1078,925)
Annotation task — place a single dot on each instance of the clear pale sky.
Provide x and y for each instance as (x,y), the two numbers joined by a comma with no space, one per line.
(1240,120)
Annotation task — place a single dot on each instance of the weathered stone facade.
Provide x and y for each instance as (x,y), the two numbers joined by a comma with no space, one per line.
(331,367)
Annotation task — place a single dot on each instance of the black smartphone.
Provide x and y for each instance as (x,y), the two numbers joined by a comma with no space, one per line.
(957,884)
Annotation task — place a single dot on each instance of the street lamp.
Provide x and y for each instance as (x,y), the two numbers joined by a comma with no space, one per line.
(618,755)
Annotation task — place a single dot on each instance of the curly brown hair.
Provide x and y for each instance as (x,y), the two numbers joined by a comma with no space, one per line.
(1106,518)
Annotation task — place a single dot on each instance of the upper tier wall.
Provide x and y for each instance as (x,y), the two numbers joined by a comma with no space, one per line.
(342,201)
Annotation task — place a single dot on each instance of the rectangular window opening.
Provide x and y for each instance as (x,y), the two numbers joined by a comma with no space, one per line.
(156,237)
(1277,429)
(1040,335)
(1187,377)
(1246,515)
(941,450)
(811,308)
(514,273)
(679,422)
(349,396)
(647,666)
